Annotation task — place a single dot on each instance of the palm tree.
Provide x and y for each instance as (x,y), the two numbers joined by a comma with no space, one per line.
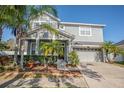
(6,16)
(115,51)
(107,48)
(110,48)
(49,28)
(17,18)
(50,9)
(56,49)
(53,48)
(13,18)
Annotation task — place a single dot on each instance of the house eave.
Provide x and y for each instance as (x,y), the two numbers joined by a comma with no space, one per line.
(60,32)
(86,46)
(50,15)
(82,24)
(87,43)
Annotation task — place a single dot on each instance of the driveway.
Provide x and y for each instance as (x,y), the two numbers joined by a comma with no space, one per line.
(103,75)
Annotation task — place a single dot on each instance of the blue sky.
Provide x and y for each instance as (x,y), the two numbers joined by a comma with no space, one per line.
(111,16)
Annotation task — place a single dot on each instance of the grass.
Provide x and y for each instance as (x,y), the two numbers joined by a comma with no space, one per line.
(121,64)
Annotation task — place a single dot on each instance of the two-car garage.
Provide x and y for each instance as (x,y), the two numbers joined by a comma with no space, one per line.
(89,54)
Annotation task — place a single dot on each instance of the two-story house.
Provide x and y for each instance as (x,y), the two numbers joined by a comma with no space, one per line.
(86,39)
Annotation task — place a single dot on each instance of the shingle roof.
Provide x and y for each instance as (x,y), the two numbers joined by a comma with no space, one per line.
(120,43)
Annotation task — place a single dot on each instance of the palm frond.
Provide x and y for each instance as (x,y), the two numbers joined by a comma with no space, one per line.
(49,28)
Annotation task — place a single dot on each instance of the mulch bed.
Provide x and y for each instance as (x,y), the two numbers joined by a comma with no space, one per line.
(40,70)
(52,70)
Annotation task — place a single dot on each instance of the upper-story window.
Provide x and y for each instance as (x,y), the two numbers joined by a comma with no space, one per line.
(44,18)
(85,31)
(36,24)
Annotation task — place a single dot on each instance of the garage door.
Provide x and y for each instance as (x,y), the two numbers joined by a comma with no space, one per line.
(90,55)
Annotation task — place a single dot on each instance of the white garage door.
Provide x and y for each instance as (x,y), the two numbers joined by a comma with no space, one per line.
(90,55)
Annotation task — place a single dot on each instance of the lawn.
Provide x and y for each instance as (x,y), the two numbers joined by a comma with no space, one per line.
(121,64)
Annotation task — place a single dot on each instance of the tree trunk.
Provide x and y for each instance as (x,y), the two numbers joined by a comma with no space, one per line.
(21,63)
(114,56)
(16,52)
(1,32)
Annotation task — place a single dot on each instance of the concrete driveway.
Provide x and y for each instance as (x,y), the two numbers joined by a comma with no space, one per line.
(103,75)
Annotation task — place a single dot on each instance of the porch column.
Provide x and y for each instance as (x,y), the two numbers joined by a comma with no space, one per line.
(69,45)
(26,47)
(65,51)
(37,46)
(68,50)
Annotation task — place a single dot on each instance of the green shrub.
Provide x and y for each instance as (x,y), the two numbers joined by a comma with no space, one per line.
(34,57)
(41,59)
(2,69)
(10,68)
(74,58)
(26,57)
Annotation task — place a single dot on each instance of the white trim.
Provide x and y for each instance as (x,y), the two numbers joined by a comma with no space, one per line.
(54,37)
(85,35)
(87,24)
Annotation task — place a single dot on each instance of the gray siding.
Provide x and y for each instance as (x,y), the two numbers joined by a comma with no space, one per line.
(97,34)
(44,19)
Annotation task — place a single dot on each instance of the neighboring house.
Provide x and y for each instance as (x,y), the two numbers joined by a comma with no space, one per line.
(120,45)
(86,39)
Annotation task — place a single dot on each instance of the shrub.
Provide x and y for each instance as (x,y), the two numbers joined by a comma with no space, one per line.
(74,58)
(34,57)
(2,69)
(10,68)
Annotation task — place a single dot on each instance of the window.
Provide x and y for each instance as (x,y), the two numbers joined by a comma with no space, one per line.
(46,35)
(85,31)
(36,24)
(44,18)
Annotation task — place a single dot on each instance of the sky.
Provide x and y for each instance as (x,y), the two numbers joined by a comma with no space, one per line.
(111,16)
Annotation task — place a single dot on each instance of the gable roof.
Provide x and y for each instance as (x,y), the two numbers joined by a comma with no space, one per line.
(120,43)
(64,33)
(72,23)
(50,15)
